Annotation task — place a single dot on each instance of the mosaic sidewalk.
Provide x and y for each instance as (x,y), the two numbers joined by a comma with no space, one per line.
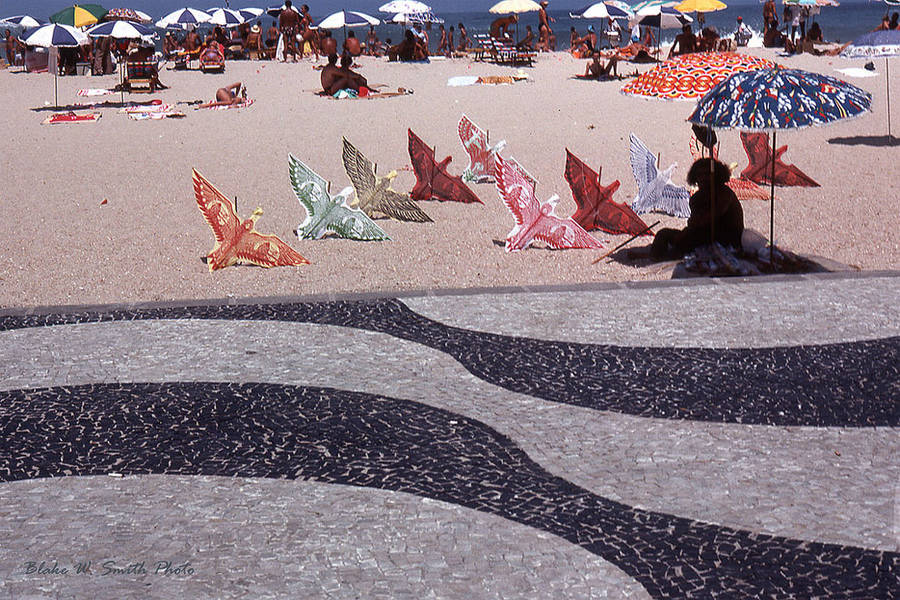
(694,439)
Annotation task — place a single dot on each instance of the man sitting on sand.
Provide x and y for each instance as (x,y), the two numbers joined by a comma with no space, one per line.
(408,50)
(685,42)
(597,70)
(343,78)
(742,34)
(235,93)
(527,42)
(728,216)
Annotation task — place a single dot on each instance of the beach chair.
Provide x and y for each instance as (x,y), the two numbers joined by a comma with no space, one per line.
(139,76)
(483,46)
(507,53)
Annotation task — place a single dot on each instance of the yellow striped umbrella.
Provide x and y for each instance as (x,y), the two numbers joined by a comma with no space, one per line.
(700,6)
(79,15)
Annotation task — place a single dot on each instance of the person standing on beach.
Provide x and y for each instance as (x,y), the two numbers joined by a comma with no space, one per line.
(463,38)
(10,48)
(442,43)
(289,25)
(308,35)
(450,42)
(544,30)
(769,15)
(500,26)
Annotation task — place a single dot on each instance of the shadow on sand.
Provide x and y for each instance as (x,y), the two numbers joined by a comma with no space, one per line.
(866,140)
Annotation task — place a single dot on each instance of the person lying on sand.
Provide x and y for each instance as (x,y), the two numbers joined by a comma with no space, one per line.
(235,93)
(595,69)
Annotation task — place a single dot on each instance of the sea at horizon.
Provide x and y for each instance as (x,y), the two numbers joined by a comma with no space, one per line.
(839,24)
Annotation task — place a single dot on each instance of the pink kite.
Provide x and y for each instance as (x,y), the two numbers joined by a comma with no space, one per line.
(534,219)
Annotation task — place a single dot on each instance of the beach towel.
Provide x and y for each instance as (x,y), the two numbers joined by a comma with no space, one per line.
(150,108)
(857,72)
(155,116)
(244,104)
(70,117)
(462,80)
(94,92)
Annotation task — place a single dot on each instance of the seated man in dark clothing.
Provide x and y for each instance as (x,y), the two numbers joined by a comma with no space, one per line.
(713,204)
(330,75)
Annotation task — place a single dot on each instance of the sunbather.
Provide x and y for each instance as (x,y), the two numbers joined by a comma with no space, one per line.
(235,93)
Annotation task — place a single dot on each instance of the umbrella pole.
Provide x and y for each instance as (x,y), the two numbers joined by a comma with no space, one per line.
(712,171)
(887,84)
(772,206)
(55,88)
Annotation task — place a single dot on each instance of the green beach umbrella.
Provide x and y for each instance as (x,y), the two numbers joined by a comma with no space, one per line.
(79,15)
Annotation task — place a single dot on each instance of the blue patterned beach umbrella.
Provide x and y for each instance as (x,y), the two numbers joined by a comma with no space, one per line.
(777,98)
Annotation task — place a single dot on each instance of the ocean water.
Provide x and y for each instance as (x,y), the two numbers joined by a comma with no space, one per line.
(839,24)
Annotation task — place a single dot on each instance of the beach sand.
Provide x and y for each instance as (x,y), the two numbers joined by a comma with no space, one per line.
(60,245)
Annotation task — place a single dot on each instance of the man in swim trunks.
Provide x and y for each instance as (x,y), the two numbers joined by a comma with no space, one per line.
(500,27)
(686,42)
(289,25)
(545,33)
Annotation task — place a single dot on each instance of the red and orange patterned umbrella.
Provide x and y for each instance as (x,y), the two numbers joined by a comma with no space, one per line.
(690,76)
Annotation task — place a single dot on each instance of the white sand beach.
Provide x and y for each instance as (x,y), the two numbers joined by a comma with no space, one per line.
(60,244)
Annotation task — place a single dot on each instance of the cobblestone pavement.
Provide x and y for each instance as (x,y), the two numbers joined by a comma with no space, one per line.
(707,438)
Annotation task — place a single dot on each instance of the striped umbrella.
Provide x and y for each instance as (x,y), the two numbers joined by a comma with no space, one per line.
(250,13)
(226,17)
(120,30)
(604,10)
(183,17)
(54,35)
(405,7)
(778,98)
(23,21)
(79,15)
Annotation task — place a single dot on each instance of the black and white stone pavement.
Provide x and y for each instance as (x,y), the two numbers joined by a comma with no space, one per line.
(701,439)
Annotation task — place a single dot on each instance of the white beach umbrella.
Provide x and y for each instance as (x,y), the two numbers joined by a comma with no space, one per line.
(604,10)
(55,35)
(250,13)
(427,17)
(405,7)
(506,7)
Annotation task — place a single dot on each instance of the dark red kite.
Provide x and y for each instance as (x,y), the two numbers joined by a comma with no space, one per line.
(433,182)
(596,208)
(759,153)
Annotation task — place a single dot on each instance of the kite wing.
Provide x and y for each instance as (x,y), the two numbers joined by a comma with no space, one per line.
(311,191)
(643,163)
(674,200)
(563,233)
(399,206)
(354,224)
(745,189)
(759,154)
(433,182)
(596,208)
(267,251)
(359,169)
(517,192)
(217,209)
(481,157)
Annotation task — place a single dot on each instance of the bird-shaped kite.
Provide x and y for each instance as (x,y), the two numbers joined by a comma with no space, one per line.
(656,192)
(237,241)
(759,153)
(374,195)
(742,187)
(325,212)
(433,182)
(481,167)
(534,219)
(596,208)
